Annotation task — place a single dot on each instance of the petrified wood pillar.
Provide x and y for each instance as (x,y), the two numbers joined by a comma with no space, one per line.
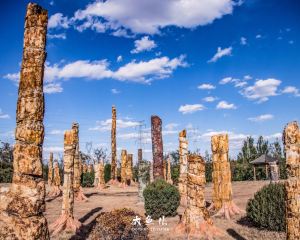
(183,155)
(222,189)
(169,177)
(22,207)
(291,140)
(123,167)
(140,154)
(101,183)
(157,147)
(50,170)
(55,188)
(67,221)
(129,173)
(114,145)
(274,173)
(196,221)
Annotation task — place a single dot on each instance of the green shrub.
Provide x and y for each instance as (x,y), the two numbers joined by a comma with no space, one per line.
(6,172)
(267,208)
(161,199)
(175,174)
(118,224)
(87,179)
(107,169)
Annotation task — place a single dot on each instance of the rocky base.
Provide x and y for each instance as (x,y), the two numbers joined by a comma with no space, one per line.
(80,197)
(228,210)
(64,223)
(55,192)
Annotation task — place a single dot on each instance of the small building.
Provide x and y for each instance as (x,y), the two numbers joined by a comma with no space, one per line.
(263,160)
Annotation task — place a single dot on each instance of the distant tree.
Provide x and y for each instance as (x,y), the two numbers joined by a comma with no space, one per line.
(6,162)
(262,146)
(248,151)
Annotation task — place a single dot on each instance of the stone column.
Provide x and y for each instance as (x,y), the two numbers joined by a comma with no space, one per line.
(183,155)
(97,176)
(55,189)
(274,176)
(157,147)
(222,189)
(140,155)
(101,183)
(67,221)
(129,173)
(50,170)
(169,177)
(291,141)
(22,207)
(113,145)
(196,221)
(123,167)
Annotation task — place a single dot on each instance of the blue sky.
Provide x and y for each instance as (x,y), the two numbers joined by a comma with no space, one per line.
(207,66)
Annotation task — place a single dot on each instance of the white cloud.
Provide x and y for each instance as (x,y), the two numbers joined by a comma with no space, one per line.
(53,149)
(115,91)
(258,36)
(210,99)
(119,58)
(57,132)
(225,105)
(243,41)
(58,21)
(144,44)
(225,80)
(247,77)
(171,126)
(240,84)
(273,136)
(291,90)
(93,24)
(190,108)
(143,16)
(14,77)
(206,86)
(53,88)
(221,53)
(261,118)
(262,90)
(106,125)
(291,42)
(3,115)
(57,36)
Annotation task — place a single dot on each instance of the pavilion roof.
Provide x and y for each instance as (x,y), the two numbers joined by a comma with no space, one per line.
(264,159)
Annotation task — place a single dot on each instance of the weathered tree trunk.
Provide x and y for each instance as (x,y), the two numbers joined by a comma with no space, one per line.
(67,221)
(101,184)
(55,188)
(291,140)
(129,173)
(169,177)
(274,172)
(196,221)
(114,145)
(123,167)
(157,147)
(222,189)
(183,155)
(50,170)
(22,207)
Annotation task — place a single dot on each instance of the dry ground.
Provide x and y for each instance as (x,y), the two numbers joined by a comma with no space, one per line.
(115,197)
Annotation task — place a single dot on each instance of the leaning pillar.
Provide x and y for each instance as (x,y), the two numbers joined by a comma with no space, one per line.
(113,145)
(67,221)
(222,189)
(291,141)
(169,177)
(196,221)
(157,147)
(22,207)
(183,155)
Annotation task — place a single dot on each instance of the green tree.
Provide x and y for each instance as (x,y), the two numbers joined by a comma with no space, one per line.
(6,162)
(262,146)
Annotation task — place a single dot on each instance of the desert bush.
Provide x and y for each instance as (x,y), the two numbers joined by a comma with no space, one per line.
(267,208)
(117,225)
(87,179)
(107,173)
(6,172)
(161,199)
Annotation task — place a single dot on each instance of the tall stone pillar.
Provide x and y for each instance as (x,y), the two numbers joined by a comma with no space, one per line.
(183,161)
(157,147)
(22,207)
(129,165)
(50,170)
(196,221)
(67,221)
(113,145)
(55,188)
(222,189)
(101,184)
(140,154)
(169,177)
(274,172)
(291,141)
(123,167)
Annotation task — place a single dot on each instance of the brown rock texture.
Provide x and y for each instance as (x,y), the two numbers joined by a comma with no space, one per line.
(114,145)
(50,170)
(196,221)
(67,221)
(183,155)
(274,176)
(169,177)
(221,175)
(78,193)
(129,173)
(101,175)
(55,188)
(157,147)
(291,140)
(123,167)
(22,207)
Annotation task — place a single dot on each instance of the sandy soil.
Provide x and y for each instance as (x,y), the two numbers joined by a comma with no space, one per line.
(115,197)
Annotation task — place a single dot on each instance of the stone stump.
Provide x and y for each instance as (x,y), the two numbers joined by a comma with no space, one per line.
(183,155)
(274,176)
(101,183)
(22,206)
(196,221)
(222,189)
(123,168)
(169,177)
(157,147)
(67,221)
(55,188)
(291,141)
(50,170)
(129,173)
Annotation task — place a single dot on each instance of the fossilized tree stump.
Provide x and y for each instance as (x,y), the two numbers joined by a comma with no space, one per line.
(140,154)
(123,167)
(55,188)
(222,189)
(129,173)
(78,192)
(157,147)
(67,221)
(50,170)
(22,207)
(291,140)
(113,146)
(183,155)
(169,177)
(274,172)
(101,183)
(196,221)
